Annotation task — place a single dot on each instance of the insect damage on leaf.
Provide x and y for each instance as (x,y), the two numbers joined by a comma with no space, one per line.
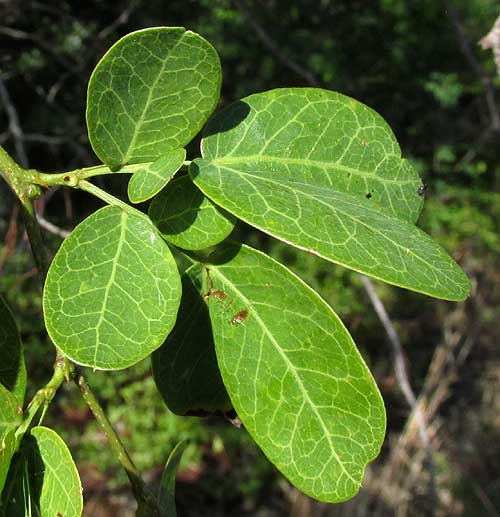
(218,294)
(239,317)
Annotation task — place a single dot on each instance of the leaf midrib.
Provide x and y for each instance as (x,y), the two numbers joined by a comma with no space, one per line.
(123,220)
(327,165)
(138,126)
(291,368)
(355,219)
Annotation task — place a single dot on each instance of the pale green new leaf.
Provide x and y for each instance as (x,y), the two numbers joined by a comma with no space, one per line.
(294,375)
(147,182)
(12,367)
(167,486)
(185,367)
(112,291)
(151,93)
(188,219)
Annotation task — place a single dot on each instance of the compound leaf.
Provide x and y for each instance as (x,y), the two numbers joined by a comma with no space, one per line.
(151,93)
(12,367)
(294,375)
(147,182)
(112,291)
(188,219)
(185,367)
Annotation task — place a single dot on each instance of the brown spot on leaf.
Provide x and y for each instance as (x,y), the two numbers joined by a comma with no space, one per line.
(239,317)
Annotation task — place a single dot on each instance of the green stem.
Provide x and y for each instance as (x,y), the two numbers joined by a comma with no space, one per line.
(35,239)
(145,499)
(63,369)
(21,181)
(72,178)
(113,439)
(108,198)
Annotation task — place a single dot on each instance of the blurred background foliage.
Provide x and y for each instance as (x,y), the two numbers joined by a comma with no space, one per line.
(415,62)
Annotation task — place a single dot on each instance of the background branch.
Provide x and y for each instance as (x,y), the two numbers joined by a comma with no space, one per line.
(466,48)
(274,48)
(403,380)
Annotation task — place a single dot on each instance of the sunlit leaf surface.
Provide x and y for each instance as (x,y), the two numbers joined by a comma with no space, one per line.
(151,93)
(294,375)
(112,291)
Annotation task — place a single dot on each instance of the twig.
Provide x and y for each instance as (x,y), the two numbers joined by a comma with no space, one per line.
(14,126)
(139,488)
(10,237)
(489,91)
(63,370)
(52,228)
(122,19)
(26,36)
(17,174)
(266,39)
(402,378)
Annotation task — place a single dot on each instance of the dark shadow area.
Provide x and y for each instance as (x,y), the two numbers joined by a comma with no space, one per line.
(185,367)
(24,482)
(226,119)
(10,345)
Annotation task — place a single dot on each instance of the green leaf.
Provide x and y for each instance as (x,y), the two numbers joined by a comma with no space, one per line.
(147,182)
(167,485)
(294,375)
(185,367)
(112,291)
(300,204)
(186,218)
(316,137)
(10,412)
(10,418)
(16,495)
(55,473)
(12,367)
(46,481)
(151,93)
(8,446)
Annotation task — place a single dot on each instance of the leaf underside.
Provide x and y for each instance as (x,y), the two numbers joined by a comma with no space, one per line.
(151,93)
(294,375)
(112,291)
(318,206)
